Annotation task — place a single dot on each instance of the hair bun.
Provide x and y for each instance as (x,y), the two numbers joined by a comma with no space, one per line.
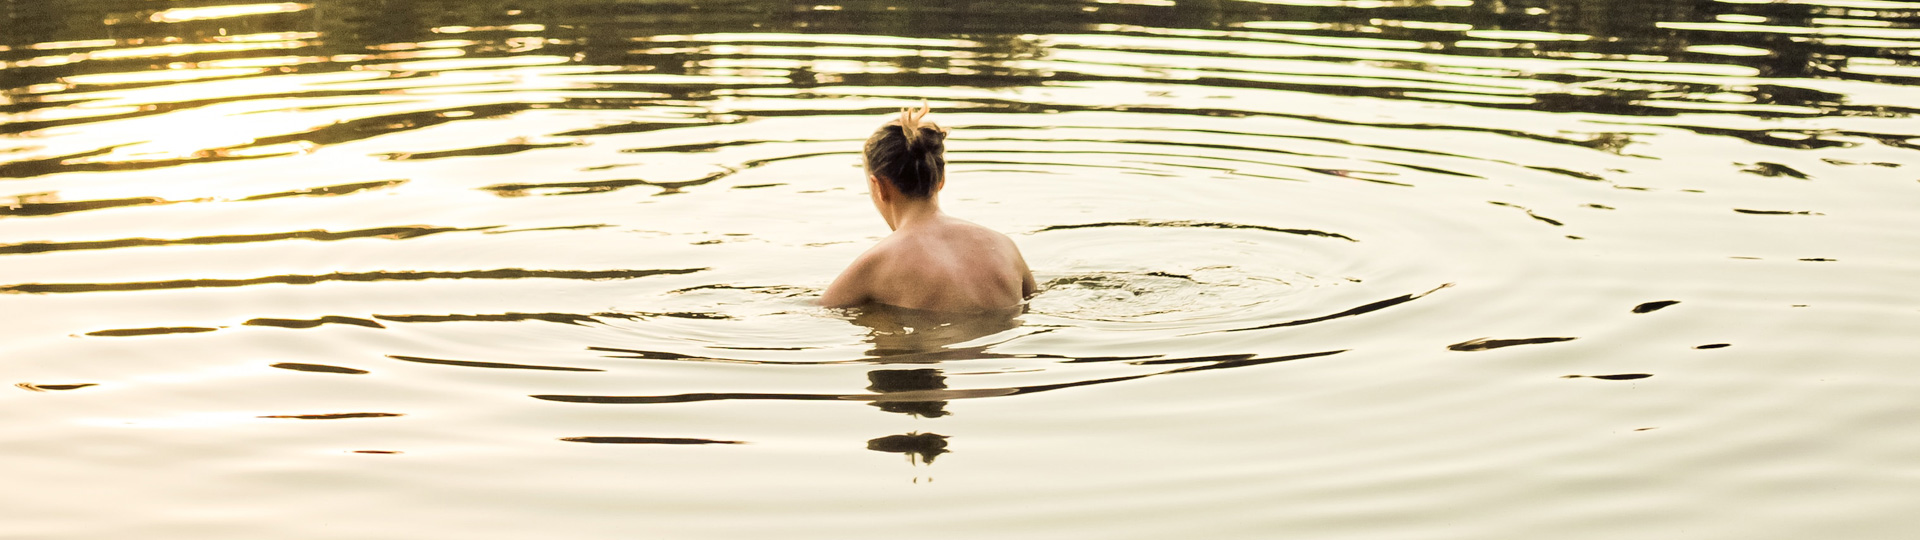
(933,136)
(908,152)
(920,135)
(910,124)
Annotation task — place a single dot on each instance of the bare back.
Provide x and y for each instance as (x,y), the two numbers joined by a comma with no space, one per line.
(944,264)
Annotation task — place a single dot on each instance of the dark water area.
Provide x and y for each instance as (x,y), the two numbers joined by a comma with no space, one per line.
(1346,269)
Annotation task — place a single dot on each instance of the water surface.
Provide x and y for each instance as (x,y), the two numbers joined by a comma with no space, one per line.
(1343,269)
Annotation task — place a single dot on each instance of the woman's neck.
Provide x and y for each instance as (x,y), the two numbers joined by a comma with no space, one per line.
(905,212)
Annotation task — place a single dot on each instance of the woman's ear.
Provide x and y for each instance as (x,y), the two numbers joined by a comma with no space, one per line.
(881,188)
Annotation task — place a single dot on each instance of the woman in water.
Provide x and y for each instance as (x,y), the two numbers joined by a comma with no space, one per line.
(932,261)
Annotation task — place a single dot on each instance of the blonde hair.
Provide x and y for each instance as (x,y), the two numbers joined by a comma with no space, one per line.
(909,153)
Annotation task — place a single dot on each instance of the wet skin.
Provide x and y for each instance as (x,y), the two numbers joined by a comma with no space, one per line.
(932,261)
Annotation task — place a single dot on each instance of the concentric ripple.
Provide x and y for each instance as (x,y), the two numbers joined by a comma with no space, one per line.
(1201,275)
(1343,268)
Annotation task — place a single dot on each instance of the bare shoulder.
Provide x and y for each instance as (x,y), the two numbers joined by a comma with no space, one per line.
(980,233)
(1017,262)
(1005,250)
(948,265)
(855,285)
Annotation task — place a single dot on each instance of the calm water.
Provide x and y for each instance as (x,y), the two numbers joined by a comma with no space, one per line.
(1332,269)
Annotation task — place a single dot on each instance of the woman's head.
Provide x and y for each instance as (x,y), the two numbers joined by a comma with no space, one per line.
(909,154)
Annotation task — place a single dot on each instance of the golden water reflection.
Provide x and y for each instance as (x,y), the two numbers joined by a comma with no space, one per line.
(1491,269)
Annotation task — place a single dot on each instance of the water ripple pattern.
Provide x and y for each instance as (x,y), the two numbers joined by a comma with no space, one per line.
(1344,268)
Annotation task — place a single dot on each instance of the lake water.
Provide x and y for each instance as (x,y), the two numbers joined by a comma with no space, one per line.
(1331,269)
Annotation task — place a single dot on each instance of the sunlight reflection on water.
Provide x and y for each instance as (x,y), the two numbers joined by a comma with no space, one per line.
(1351,269)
